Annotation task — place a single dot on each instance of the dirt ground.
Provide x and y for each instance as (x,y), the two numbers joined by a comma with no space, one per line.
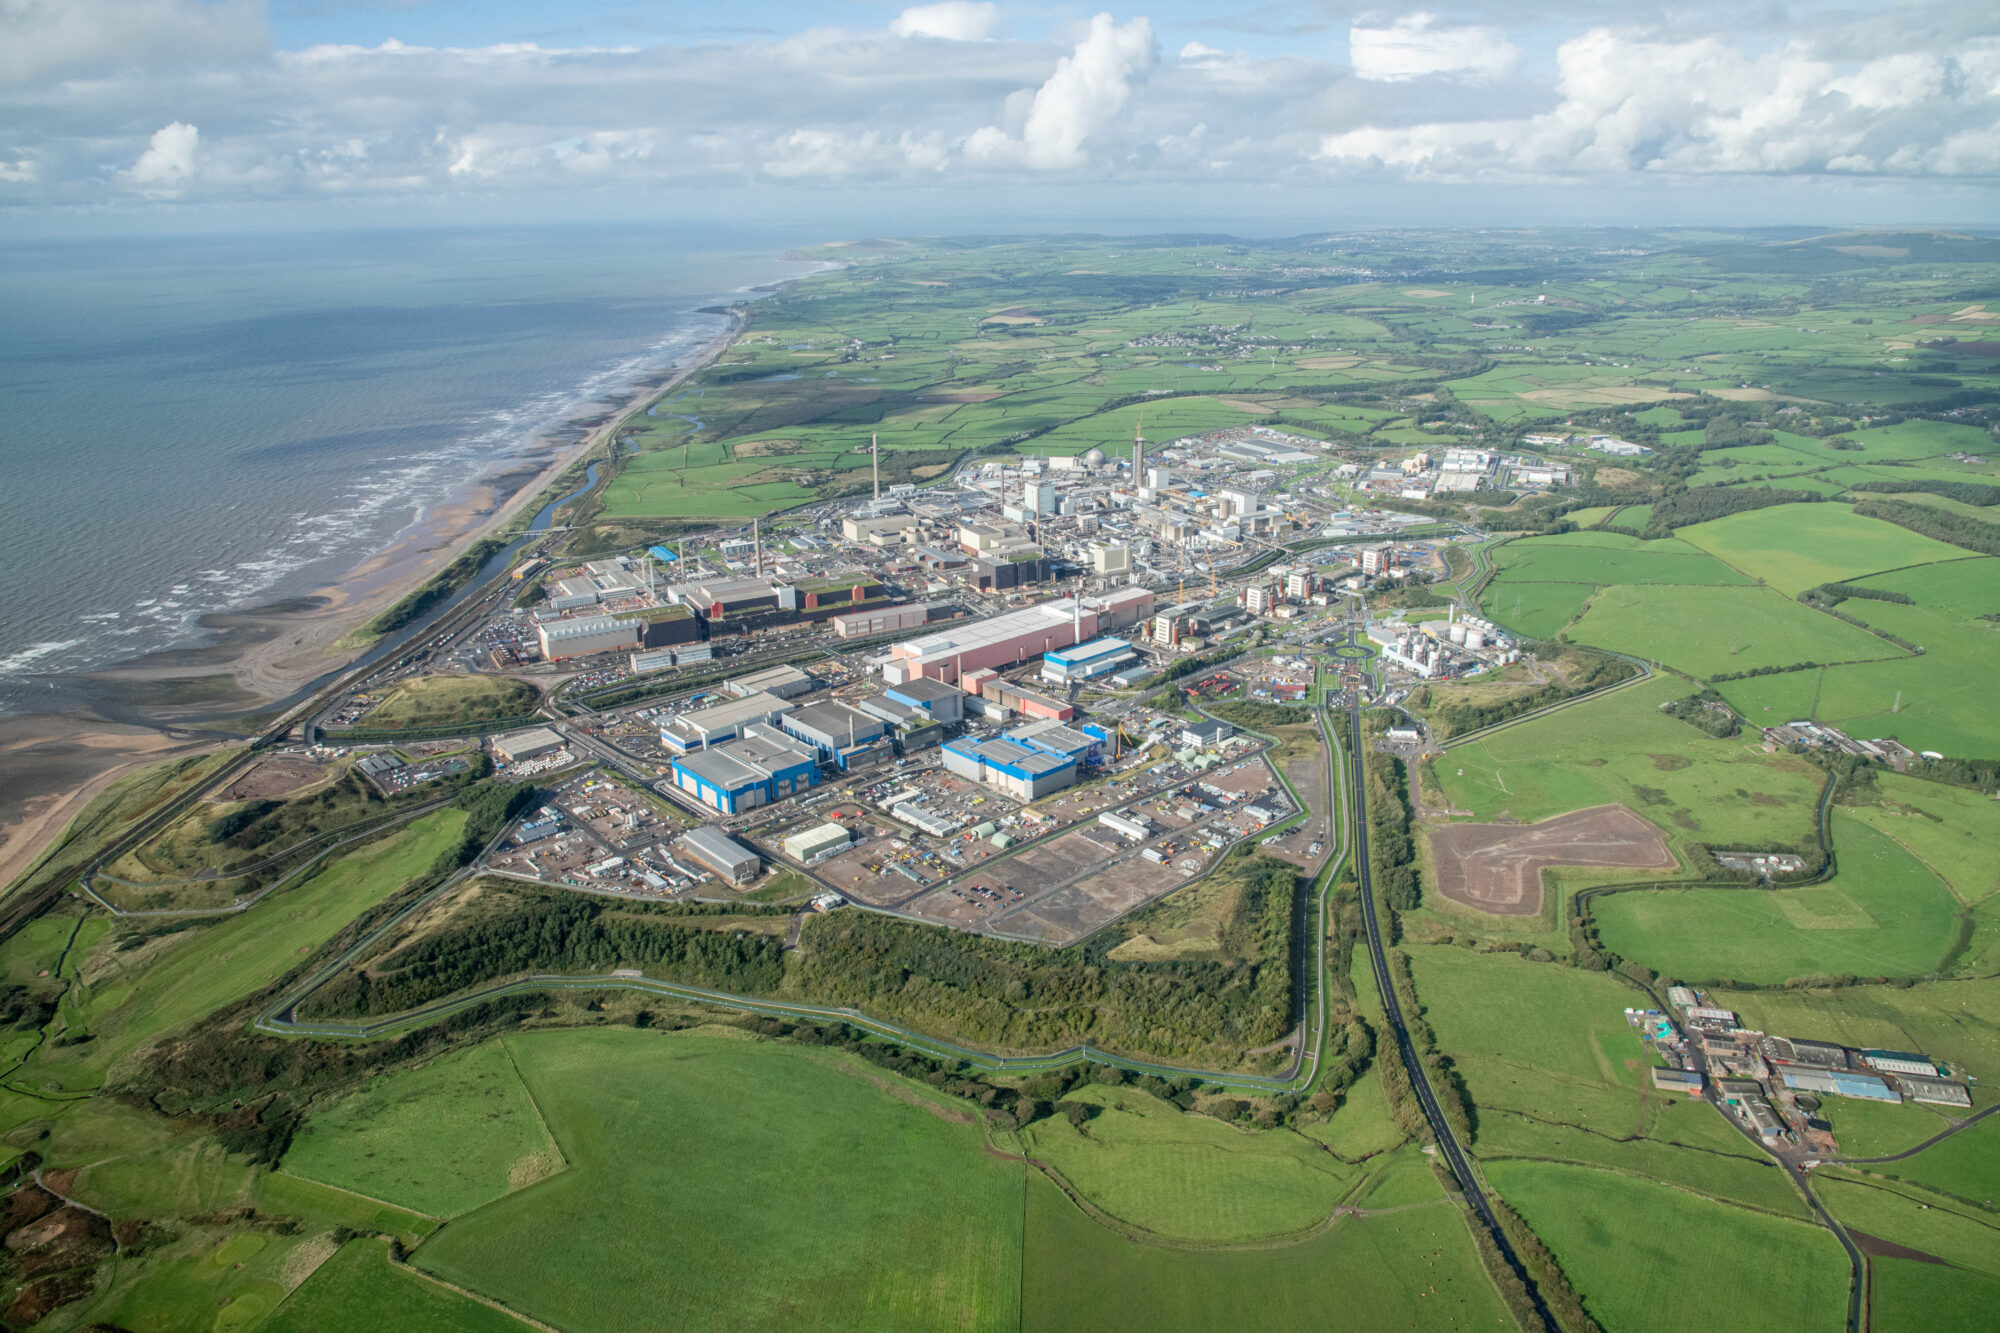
(1498,867)
(277,777)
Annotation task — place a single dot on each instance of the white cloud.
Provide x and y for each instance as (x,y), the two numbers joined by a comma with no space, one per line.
(169,161)
(1705,107)
(1089,88)
(40,39)
(952,20)
(1414,46)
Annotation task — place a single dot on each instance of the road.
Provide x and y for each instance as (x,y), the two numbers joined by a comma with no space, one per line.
(1934,1139)
(1392,1008)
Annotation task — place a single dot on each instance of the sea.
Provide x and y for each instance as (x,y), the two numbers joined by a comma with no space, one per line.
(191,425)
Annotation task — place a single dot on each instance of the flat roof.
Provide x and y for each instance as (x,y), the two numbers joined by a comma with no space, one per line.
(923,687)
(711,841)
(832,717)
(750,708)
(525,740)
(739,763)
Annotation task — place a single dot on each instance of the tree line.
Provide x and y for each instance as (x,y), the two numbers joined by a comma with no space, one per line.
(1961,530)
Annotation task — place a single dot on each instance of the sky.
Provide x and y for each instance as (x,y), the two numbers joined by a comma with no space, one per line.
(965,114)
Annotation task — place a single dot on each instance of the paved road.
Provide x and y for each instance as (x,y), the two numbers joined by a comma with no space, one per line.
(1936,1138)
(1392,1009)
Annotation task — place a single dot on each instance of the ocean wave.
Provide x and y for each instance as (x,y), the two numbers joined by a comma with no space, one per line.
(15,663)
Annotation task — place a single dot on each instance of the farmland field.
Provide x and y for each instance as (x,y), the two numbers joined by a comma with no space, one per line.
(1629,1248)
(1883,914)
(1534,610)
(1411,1269)
(1144,1162)
(1706,631)
(1798,546)
(1965,1166)
(1620,749)
(441,1139)
(745,1185)
(359,1290)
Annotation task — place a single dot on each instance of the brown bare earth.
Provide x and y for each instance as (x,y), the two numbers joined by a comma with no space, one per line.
(278,777)
(1498,867)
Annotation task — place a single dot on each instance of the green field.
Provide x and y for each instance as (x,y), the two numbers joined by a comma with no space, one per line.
(1954,831)
(1621,748)
(1145,1163)
(1965,1166)
(1911,1294)
(1798,546)
(1413,1269)
(1534,610)
(1546,560)
(441,1139)
(1646,1257)
(745,1185)
(359,1290)
(1883,914)
(1707,631)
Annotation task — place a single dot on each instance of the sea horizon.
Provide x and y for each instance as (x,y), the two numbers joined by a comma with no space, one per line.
(200,425)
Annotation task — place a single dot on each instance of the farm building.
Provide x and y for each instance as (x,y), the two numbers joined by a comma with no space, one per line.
(722,854)
(762,766)
(815,842)
(1841,1083)
(1899,1062)
(719,722)
(1019,770)
(1934,1091)
(1677,1080)
(518,746)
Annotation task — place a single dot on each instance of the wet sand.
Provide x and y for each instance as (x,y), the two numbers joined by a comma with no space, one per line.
(52,764)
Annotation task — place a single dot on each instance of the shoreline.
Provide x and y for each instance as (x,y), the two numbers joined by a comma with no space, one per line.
(173,702)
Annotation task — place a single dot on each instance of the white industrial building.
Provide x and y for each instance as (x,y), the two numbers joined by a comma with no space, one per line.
(562,639)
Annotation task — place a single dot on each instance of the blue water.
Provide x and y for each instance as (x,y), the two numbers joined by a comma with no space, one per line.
(198,425)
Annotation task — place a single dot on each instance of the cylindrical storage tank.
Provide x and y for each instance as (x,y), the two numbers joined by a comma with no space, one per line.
(1458,631)
(1475,639)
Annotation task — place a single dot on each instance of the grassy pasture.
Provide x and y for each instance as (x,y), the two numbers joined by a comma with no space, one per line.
(1142,1161)
(440,1139)
(138,996)
(1909,1294)
(359,1290)
(1954,831)
(1798,546)
(1532,561)
(1621,749)
(1883,914)
(1647,1257)
(1965,1166)
(1923,1223)
(1939,701)
(1534,610)
(1704,631)
(745,1185)
(1416,1269)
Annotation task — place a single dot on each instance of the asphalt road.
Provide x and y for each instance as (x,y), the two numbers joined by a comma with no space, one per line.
(1392,1008)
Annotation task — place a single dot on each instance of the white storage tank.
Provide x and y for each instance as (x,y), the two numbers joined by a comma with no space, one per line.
(1458,631)
(1475,639)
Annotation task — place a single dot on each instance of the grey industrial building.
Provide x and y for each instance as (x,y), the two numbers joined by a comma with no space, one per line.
(518,746)
(842,734)
(785,682)
(719,722)
(722,854)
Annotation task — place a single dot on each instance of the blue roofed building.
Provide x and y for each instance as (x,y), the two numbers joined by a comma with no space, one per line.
(1086,661)
(1021,771)
(762,766)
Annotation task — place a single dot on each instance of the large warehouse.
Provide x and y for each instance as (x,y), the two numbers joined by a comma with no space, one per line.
(841,734)
(1007,640)
(562,639)
(719,722)
(1021,771)
(765,765)
(1099,657)
(722,854)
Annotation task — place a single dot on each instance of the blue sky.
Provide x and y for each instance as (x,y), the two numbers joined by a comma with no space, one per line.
(164,113)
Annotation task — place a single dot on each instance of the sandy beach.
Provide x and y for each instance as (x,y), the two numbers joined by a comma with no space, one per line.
(52,765)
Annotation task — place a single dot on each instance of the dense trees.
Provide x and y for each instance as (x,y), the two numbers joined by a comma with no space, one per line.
(1959,529)
(1392,855)
(519,929)
(1965,492)
(1680,509)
